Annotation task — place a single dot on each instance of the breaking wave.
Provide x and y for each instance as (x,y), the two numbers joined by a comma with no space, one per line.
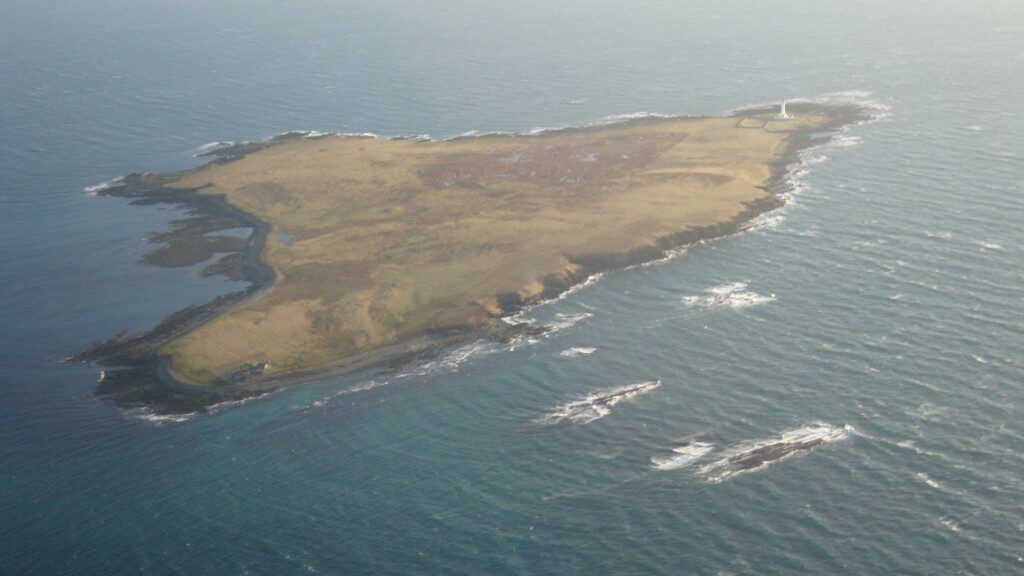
(563,321)
(733,295)
(844,141)
(578,351)
(147,415)
(213,146)
(923,477)
(862,98)
(597,405)
(769,220)
(97,188)
(683,456)
(669,256)
(361,387)
(592,279)
(995,246)
(522,316)
(213,408)
(448,362)
(451,361)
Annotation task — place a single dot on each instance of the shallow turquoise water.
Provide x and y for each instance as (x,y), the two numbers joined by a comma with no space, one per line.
(886,297)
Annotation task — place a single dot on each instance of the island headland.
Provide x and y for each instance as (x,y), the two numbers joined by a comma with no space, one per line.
(368,252)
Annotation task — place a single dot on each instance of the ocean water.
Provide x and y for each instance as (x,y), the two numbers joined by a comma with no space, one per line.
(875,322)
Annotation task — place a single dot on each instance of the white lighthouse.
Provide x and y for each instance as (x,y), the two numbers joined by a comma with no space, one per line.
(782,111)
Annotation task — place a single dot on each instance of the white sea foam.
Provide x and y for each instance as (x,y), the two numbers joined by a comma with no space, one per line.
(454,359)
(756,455)
(449,362)
(926,411)
(845,141)
(147,415)
(563,321)
(577,351)
(462,354)
(669,256)
(592,279)
(211,146)
(361,387)
(683,456)
(861,98)
(606,121)
(478,134)
(951,524)
(229,403)
(620,118)
(986,245)
(768,220)
(597,404)
(560,322)
(97,188)
(519,317)
(930,481)
(364,386)
(733,295)
(940,235)
(523,315)
(912,445)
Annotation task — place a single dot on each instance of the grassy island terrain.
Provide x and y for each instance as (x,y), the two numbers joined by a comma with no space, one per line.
(376,243)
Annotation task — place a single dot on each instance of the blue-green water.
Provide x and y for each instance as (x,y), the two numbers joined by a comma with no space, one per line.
(884,304)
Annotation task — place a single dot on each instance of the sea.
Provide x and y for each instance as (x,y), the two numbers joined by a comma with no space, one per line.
(838,390)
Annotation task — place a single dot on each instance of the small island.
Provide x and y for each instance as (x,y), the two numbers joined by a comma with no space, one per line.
(367,251)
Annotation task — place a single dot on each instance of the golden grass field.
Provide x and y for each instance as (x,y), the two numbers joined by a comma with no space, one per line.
(392,238)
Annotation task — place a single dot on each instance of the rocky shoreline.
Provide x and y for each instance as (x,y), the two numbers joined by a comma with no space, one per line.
(134,375)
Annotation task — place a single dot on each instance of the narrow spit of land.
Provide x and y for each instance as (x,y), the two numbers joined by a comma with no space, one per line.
(367,251)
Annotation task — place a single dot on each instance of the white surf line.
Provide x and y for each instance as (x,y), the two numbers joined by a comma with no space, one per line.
(596,405)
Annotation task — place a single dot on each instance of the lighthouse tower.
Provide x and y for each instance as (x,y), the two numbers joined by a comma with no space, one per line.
(782,111)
